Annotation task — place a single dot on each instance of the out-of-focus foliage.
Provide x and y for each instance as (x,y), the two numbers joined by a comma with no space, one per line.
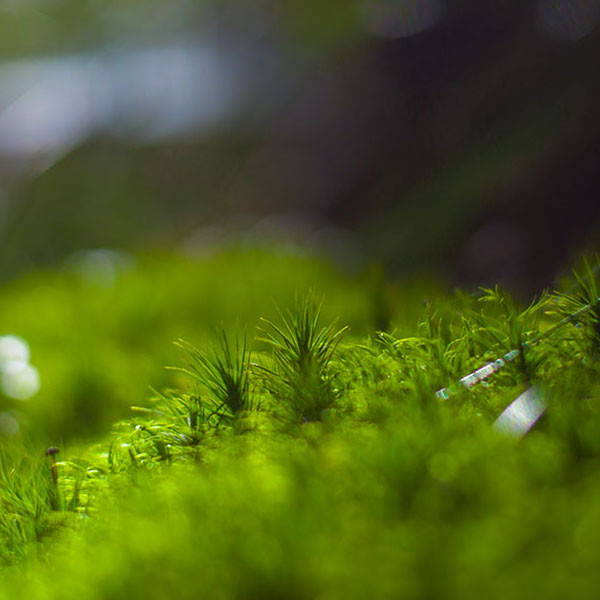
(426,133)
(99,331)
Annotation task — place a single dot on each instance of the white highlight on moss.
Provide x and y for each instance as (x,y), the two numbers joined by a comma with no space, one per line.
(522,414)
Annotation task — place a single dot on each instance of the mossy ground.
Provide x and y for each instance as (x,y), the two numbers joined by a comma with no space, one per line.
(336,473)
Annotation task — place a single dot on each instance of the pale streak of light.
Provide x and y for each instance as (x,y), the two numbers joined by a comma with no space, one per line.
(48,106)
(54,113)
(522,414)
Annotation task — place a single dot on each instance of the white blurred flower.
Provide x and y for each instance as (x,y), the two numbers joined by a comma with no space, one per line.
(19,380)
(13,347)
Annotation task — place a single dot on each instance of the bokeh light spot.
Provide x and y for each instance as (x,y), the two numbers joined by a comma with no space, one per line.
(12,348)
(19,380)
(402,18)
(569,20)
(9,426)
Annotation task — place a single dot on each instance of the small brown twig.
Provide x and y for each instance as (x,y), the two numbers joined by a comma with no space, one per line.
(52,452)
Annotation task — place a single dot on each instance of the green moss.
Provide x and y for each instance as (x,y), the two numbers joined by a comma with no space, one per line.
(391,492)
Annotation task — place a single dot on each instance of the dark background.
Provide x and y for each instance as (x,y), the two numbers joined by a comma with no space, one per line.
(458,138)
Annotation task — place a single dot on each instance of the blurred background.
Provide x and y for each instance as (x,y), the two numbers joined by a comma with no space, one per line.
(456,137)
(453,141)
